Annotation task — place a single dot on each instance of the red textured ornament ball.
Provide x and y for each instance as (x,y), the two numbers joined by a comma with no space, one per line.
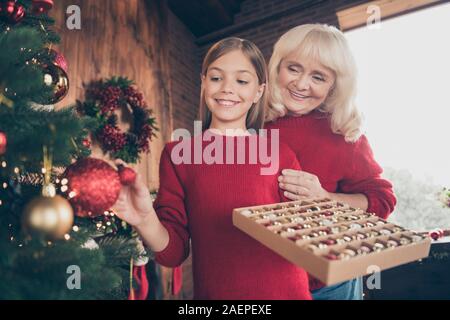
(436,234)
(127,175)
(3,142)
(42,6)
(93,186)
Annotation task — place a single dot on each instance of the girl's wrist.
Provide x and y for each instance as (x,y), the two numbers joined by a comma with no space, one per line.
(153,233)
(146,223)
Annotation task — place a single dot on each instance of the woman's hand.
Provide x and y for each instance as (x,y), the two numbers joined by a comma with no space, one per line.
(134,204)
(301,185)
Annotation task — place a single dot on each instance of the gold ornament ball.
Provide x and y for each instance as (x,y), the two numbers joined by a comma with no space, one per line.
(51,217)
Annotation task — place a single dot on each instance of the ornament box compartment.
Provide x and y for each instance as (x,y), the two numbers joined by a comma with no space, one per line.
(331,240)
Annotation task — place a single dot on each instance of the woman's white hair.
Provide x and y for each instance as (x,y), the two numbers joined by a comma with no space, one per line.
(328,46)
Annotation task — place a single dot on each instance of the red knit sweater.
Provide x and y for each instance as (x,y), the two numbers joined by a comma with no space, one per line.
(195,202)
(340,166)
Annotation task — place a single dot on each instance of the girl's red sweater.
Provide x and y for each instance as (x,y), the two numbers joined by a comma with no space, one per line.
(195,202)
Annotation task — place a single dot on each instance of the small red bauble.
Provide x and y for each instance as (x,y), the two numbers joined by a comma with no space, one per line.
(87,143)
(3,142)
(93,186)
(42,6)
(436,234)
(329,242)
(9,6)
(127,175)
(331,256)
(13,12)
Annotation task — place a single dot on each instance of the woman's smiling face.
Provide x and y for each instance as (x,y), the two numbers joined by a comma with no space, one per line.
(304,83)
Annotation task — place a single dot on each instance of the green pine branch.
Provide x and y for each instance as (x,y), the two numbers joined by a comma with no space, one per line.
(42,23)
(20,79)
(118,81)
(31,268)
(40,272)
(28,131)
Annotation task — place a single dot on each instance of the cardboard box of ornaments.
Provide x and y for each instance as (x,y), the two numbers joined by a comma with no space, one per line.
(331,240)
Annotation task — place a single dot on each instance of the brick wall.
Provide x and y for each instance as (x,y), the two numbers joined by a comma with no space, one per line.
(264,21)
(185,73)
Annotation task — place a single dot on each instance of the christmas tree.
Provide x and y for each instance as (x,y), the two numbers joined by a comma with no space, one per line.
(48,252)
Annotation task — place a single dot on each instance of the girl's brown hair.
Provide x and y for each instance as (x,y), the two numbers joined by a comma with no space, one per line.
(255,116)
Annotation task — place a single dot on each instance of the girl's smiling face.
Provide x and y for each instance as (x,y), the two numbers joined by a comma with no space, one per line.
(230,89)
(304,83)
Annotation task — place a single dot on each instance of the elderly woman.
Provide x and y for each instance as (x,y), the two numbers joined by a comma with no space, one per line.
(312,84)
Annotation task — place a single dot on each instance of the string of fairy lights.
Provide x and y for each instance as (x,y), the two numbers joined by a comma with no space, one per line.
(102,223)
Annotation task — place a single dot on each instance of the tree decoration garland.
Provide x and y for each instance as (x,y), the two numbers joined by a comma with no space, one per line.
(103,99)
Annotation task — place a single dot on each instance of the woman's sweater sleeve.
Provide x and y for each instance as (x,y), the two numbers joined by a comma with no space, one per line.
(364,176)
(170,208)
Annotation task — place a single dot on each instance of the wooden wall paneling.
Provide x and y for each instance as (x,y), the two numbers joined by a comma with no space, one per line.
(125,38)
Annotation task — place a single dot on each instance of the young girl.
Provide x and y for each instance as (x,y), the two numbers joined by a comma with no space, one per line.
(196,198)
(311,90)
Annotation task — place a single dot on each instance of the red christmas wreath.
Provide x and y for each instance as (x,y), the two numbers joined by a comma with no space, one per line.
(103,98)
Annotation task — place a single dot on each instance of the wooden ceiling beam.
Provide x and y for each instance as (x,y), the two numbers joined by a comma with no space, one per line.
(205,16)
(357,16)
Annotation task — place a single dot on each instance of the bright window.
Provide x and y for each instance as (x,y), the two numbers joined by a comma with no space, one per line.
(404,93)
